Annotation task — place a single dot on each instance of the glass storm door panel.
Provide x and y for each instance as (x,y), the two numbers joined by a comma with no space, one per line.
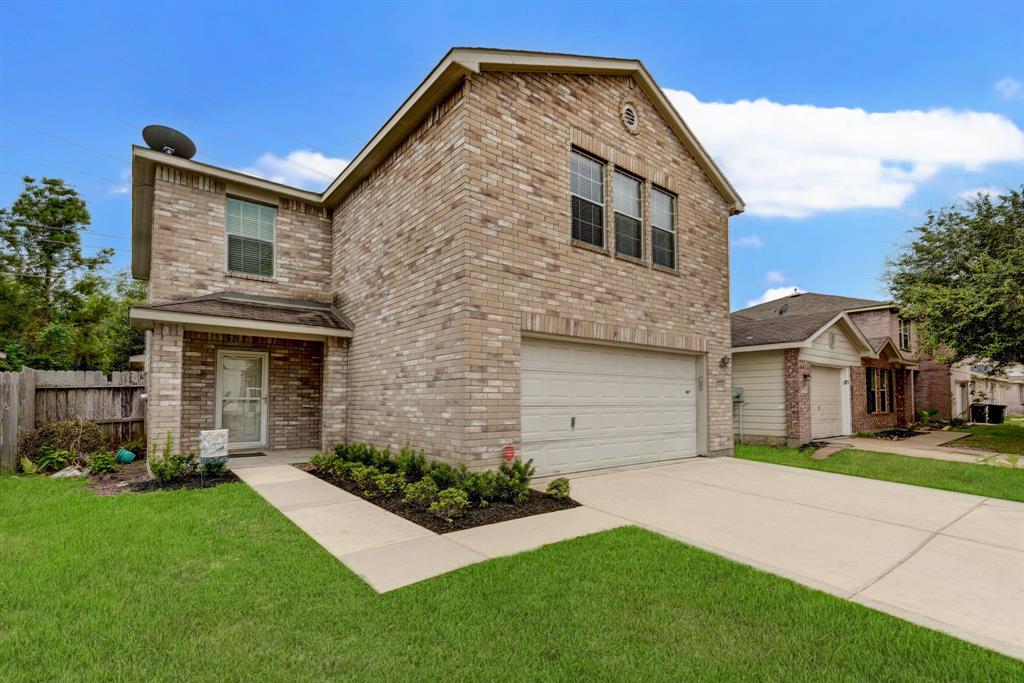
(242,397)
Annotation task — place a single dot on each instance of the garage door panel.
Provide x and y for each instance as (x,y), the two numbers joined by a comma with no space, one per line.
(826,402)
(629,406)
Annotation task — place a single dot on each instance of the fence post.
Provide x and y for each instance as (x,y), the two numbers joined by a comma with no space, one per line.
(27,401)
(8,421)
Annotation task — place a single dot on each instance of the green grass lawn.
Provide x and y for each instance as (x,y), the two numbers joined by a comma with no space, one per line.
(216,585)
(981,480)
(1005,438)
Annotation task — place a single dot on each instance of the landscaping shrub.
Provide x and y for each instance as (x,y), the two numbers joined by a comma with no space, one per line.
(80,438)
(136,445)
(170,466)
(102,462)
(558,488)
(450,503)
(481,487)
(389,483)
(213,469)
(363,475)
(410,464)
(53,459)
(422,492)
(513,481)
(444,475)
(28,467)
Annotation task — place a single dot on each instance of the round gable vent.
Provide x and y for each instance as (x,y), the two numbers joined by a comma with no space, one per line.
(630,119)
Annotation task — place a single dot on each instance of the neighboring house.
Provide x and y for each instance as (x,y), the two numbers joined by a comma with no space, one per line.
(1000,388)
(811,366)
(532,252)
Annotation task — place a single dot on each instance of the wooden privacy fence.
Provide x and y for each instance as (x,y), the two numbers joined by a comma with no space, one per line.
(32,397)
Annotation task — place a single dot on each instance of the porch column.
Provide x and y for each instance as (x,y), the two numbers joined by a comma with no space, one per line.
(334,402)
(163,379)
(798,398)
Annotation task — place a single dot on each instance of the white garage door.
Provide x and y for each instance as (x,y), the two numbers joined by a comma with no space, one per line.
(826,402)
(586,406)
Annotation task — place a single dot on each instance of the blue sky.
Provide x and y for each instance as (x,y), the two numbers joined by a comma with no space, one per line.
(839,123)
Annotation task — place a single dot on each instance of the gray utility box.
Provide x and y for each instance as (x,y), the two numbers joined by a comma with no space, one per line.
(737,394)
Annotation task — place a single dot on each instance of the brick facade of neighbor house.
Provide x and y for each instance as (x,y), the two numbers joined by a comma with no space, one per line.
(294,390)
(189,242)
(797,377)
(934,387)
(899,417)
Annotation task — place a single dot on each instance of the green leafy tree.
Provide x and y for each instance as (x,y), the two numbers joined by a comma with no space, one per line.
(961,280)
(58,309)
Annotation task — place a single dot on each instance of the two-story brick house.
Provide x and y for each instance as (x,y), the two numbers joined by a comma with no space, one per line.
(532,252)
(812,366)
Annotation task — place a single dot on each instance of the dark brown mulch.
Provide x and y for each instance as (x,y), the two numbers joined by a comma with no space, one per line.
(537,504)
(896,434)
(134,478)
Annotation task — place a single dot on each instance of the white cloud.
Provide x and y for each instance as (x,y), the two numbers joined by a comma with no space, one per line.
(773,293)
(300,168)
(125,186)
(798,160)
(973,194)
(1009,88)
(774,276)
(752,241)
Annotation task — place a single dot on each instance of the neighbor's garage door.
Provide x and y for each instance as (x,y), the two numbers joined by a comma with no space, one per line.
(586,406)
(826,402)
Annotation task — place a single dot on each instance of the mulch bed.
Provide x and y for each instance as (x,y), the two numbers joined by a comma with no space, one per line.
(134,478)
(537,504)
(896,434)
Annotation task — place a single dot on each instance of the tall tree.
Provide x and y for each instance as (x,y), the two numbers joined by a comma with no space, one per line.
(40,237)
(961,280)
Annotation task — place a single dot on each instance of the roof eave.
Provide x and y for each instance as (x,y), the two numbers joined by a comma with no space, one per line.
(144,318)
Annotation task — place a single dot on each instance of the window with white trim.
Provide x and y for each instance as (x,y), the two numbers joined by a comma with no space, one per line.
(629,202)
(904,334)
(880,390)
(586,180)
(663,228)
(250,237)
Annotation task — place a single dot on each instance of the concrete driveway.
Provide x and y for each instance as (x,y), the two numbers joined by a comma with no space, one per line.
(949,561)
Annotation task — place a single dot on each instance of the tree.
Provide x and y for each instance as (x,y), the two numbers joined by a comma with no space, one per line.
(58,310)
(961,280)
(40,237)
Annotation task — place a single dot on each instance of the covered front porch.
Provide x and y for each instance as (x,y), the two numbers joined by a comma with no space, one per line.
(270,371)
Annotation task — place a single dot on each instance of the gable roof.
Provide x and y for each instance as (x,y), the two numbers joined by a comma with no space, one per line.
(806,303)
(449,72)
(798,331)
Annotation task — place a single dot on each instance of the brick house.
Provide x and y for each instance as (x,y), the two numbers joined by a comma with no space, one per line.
(811,366)
(532,252)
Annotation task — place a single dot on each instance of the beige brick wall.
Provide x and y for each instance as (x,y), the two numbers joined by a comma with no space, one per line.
(189,243)
(164,353)
(294,375)
(521,263)
(334,402)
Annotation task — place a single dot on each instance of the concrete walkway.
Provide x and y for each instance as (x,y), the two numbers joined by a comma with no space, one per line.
(388,551)
(948,561)
(933,445)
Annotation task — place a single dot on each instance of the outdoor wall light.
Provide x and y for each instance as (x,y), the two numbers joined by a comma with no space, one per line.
(724,361)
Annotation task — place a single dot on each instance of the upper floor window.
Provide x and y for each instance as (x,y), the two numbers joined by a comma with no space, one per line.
(629,233)
(586,177)
(904,334)
(250,232)
(663,228)
(880,390)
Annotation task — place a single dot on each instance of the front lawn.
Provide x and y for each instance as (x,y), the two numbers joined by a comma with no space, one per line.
(1005,438)
(981,480)
(216,585)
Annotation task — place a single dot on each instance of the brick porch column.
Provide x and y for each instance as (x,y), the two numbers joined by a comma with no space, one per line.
(798,398)
(165,345)
(334,403)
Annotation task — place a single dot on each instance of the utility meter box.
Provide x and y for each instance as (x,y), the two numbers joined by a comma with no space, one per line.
(737,394)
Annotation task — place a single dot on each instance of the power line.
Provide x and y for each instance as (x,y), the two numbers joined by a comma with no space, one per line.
(75,186)
(56,163)
(87,231)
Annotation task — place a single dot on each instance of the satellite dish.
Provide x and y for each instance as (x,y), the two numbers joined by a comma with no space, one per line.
(169,141)
(783,308)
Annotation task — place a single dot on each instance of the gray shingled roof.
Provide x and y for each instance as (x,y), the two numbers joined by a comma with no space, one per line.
(791,319)
(264,309)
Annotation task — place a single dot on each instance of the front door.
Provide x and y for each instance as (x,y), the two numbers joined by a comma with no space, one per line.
(241,398)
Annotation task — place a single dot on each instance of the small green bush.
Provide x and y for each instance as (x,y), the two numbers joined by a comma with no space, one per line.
(136,445)
(444,475)
(558,488)
(362,475)
(170,466)
(28,467)
(80,438)
(422,492)
(323,461)
(481,487)
(102,462)
(450,503)
(513,481)
(53,459)
(213,469)
(389,483)
(410,464)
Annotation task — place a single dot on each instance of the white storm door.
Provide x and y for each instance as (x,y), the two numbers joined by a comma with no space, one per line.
(241,397)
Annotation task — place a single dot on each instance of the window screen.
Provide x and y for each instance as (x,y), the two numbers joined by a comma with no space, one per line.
(663,228)
(250,231)
(629,239)
(586,177)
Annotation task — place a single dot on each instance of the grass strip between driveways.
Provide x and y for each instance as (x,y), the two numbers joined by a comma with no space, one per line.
(1003,438)
(216,585)
(980,480)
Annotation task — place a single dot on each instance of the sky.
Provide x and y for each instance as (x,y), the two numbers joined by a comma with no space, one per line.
(840,124)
